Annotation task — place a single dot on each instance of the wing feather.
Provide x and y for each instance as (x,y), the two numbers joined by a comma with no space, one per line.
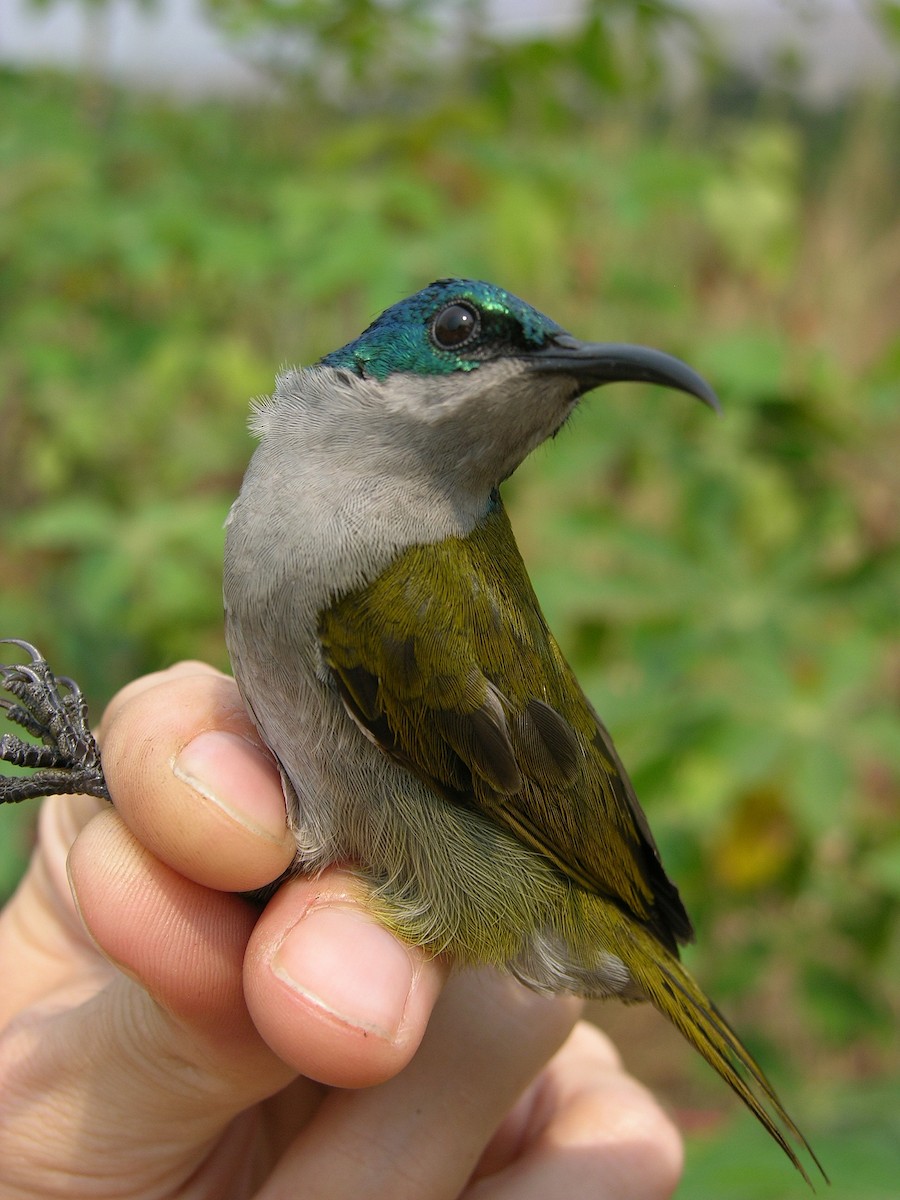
(446,662)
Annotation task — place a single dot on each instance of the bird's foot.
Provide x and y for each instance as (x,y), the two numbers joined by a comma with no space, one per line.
(54,710)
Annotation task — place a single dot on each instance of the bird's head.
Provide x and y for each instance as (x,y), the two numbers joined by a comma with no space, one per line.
(451,326)
(460,382)
(463,325)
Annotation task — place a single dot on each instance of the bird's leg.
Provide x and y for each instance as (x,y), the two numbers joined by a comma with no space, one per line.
(54,710)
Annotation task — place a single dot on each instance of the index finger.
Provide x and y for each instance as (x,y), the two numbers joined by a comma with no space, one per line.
(192,780)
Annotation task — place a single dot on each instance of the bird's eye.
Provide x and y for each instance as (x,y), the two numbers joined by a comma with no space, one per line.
(454,326)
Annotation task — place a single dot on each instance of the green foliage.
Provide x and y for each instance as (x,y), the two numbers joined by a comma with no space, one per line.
(726,588)
(855,1130)
(354,55)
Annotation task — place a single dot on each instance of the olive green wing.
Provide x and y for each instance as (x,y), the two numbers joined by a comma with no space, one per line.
(446,662)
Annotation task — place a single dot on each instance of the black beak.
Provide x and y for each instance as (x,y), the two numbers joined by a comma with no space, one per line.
(592,364)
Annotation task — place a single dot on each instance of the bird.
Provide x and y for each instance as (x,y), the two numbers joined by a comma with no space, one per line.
(389,646)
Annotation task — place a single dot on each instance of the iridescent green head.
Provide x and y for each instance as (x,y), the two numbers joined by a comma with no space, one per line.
(451,325)
(460,325)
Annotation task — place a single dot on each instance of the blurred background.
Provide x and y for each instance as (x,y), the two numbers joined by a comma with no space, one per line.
(192,195)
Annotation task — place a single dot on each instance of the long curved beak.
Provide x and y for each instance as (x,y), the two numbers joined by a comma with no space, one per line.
(592,364)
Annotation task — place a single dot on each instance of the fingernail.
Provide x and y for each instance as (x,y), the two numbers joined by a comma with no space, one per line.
(343,961)
(237,777)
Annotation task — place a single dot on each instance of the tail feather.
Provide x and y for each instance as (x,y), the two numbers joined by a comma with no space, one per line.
(672,990)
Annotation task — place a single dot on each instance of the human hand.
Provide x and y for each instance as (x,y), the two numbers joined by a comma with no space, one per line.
(163,1038)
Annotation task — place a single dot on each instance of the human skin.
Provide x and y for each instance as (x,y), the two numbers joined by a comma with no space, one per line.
(162,1036)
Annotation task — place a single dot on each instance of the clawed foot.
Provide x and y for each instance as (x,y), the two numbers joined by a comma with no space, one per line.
(54,710)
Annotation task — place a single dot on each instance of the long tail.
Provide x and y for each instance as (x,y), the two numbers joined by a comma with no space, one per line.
(673,991)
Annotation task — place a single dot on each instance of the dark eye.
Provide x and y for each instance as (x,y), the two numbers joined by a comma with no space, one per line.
(454,326)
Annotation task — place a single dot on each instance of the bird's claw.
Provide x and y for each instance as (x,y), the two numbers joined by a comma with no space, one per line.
(53,709)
